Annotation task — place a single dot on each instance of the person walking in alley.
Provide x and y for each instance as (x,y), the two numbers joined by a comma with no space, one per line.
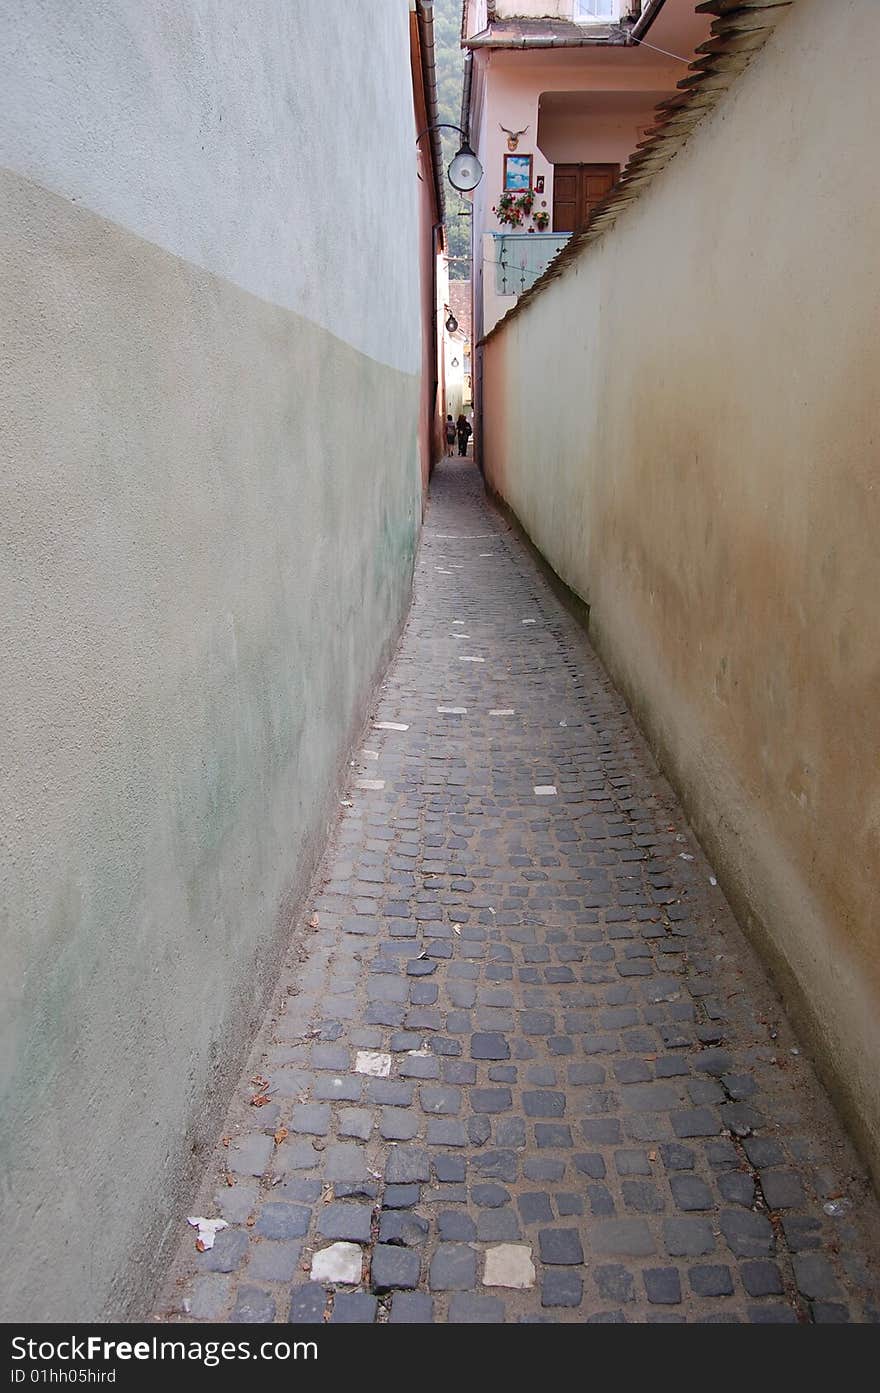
(464,431)
(450,434)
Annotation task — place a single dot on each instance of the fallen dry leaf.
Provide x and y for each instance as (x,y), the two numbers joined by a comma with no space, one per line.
(280,1135)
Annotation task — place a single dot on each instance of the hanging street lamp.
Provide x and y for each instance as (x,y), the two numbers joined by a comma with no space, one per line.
(465,171)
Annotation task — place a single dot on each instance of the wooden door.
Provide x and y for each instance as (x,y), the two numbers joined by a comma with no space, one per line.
(565,197)
(577,188)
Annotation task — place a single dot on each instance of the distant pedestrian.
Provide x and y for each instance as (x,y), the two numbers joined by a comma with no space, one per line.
(450,435)
(464,431)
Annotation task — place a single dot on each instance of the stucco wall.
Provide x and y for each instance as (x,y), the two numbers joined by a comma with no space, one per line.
(209,414)
(686,423)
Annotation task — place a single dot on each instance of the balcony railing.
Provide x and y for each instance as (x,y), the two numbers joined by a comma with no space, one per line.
(521,257)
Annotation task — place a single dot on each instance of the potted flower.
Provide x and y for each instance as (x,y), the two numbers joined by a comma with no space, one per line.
(508,210)
(542,220)
(526,202)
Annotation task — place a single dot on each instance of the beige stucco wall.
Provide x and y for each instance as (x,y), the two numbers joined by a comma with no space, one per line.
(208,443)
(686,423)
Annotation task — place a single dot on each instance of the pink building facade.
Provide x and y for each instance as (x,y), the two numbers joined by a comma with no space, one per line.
(558,95)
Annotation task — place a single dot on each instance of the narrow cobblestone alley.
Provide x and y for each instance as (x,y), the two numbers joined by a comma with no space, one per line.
(521,1064)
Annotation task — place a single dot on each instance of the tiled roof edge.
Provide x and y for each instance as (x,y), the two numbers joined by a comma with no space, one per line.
(740,30)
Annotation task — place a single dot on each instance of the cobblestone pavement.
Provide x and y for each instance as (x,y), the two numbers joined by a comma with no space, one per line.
(521,1064)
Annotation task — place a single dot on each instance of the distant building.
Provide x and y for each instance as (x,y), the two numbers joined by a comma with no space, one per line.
(558,94)
(458,347)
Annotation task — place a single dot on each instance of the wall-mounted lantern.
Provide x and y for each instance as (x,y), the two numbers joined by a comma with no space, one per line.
(465,171)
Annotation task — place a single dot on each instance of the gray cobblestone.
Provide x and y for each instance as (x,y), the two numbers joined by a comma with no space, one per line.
(395,1124)
(411,1308)
(307,1304)
(249,1155)
(761,1278)
(614,1283)
(562,1289)
(353,1308)
(407,1164)
(210,1296)
(400,1196)
(227,1254)
(737,1187)
(662,1286)
(401,1226)
(442,1099)
(566,1035)
(313,1118)
(274,1262)
(748,1235)
(782,1189)
(283,1221)
(544,1104)
(344,1161)
(688,1237)
(560,1246)
(345,1221)
(711,1280)
(453,1268)
(253,1306)
(690,1192)
(815,1276)
(355,1122)
(393,1267)
(456,1227)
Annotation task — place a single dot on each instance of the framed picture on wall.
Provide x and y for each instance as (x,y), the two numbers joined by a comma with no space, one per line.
(517,173)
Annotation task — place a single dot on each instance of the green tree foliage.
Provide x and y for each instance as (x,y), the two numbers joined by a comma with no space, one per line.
(449,59)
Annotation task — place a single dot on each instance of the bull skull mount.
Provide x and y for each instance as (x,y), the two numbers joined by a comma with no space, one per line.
(512,136)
